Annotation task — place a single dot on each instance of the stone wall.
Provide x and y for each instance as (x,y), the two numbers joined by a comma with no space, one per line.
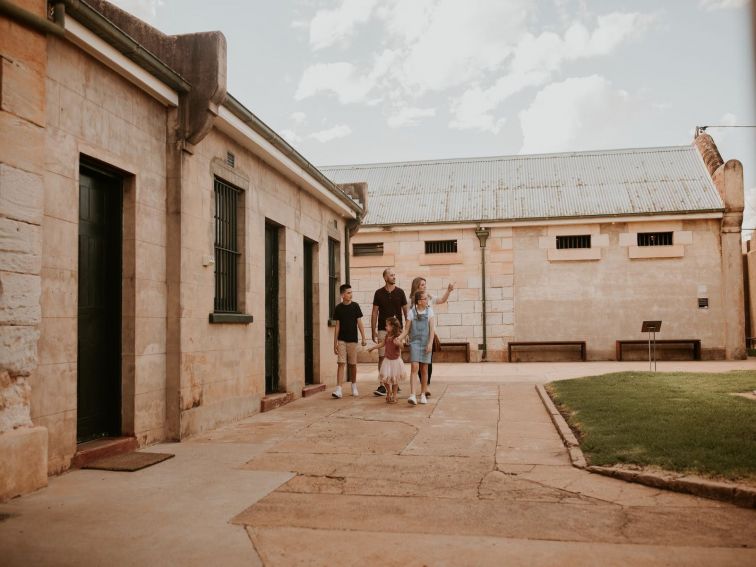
(535,292)
(223,365)
(94,113)
(460,319)
(23,60)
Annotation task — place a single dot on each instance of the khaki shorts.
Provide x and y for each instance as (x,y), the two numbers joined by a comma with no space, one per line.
(347,353)
(382,350)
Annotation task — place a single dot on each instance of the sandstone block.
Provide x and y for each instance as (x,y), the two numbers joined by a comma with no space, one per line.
(19,299)
(23,467)
(28,156)
(21,195)
(20,237)
(22,91)
(18,348)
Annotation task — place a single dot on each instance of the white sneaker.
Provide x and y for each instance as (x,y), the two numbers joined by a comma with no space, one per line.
(337,393)
(412,400)
(354,390)
(423,399)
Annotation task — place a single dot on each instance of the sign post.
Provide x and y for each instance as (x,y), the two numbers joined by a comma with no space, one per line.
(651,327)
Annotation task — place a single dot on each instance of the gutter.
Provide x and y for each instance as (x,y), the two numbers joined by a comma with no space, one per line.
(243,114)
(30,19)
(121,41)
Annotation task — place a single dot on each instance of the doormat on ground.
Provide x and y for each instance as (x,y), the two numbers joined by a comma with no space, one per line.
(129,462)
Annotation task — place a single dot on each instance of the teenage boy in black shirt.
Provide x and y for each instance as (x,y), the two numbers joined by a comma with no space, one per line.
(348,317)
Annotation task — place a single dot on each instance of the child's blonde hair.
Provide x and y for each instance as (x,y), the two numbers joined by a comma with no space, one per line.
(394,322)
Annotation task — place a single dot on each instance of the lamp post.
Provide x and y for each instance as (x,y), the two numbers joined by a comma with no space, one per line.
(483,234)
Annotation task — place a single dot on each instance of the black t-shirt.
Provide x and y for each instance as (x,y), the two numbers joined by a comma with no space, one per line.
(389,305)
(347,316)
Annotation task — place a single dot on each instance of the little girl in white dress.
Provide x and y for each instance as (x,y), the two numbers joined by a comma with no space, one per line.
(392,367)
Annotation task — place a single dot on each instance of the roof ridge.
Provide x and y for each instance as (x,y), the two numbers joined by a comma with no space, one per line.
(649,149)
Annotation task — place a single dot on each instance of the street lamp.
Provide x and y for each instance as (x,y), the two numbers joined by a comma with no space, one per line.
(483,233)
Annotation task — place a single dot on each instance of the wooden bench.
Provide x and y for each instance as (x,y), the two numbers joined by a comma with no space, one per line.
(581,344)
(695,343)
(438,356)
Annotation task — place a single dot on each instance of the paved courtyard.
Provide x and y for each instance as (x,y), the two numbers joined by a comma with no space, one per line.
(479,476)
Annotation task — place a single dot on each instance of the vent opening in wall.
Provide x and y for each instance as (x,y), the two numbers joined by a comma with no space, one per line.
(703,302)
(573,241)
(440,246)
(368,249)
(230,159)
(654,239)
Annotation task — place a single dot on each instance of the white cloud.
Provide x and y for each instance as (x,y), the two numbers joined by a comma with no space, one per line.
(339,131)
(143,9)
(474,109)
(290,136)
(337,25)
(711,5)
(408,116)
(535,59)
(460,41)
(584,113)
(339,78)
(298,117)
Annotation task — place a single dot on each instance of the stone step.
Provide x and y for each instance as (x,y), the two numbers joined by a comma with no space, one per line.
(100,448)
(274,401)
(312,389)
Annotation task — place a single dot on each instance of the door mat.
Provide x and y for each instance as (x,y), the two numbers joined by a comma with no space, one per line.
(129,462)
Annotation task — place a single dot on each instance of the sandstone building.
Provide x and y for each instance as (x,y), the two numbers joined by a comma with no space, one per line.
(166,259)
(580,246)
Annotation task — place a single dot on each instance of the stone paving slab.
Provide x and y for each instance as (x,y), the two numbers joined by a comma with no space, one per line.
(337,548)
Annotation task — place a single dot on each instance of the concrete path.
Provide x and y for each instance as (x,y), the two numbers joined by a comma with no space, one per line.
(479,476)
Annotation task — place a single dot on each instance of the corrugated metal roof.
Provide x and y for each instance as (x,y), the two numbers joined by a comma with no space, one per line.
(576,184)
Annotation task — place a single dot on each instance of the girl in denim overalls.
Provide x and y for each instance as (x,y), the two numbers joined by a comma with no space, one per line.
(421,326)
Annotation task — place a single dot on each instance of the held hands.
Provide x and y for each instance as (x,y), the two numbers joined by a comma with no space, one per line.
(364,342)
(429,348)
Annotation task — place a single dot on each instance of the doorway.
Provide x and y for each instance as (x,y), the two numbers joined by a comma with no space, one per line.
(271,309)
(98,394)
(309,359)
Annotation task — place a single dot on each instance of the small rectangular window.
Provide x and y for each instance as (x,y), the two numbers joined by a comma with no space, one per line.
(226,247)
(703,302)
(655,239)
(368,249)
(573,241)
(333,274)
(440,246)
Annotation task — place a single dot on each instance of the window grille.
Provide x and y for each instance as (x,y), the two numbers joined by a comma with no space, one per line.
(440,246)
(230,159)
(573,241)
(368,249)
(654,239)
(333,274)
(703,302)
(226,247)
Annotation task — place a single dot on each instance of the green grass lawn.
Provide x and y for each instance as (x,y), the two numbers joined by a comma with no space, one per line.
(686,422)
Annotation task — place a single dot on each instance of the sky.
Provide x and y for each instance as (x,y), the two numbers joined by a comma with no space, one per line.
(366,81)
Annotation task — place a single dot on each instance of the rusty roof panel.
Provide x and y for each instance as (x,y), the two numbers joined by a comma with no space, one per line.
(576,184)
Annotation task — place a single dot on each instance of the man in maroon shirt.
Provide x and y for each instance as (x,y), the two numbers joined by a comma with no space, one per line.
(388,301)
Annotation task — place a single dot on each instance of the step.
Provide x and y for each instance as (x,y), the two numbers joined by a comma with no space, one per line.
(274,401)
(100,448)
(312,389)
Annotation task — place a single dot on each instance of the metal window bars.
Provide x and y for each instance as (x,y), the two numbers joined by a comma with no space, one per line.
(655,239)
(573,241)
(226,247)
(440,246)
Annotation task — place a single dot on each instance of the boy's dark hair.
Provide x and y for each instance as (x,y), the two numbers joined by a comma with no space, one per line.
(344,287)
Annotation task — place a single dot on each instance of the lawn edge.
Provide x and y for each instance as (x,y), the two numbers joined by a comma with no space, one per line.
(740,495)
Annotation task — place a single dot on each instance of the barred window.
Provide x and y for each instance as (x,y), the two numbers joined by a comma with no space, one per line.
(226,247)
(573,241)
(655,239)
(440,246)
(333,274)
(368,249)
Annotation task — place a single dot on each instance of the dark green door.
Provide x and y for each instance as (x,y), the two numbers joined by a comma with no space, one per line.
(308,314)
(98,409)
(271,309)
